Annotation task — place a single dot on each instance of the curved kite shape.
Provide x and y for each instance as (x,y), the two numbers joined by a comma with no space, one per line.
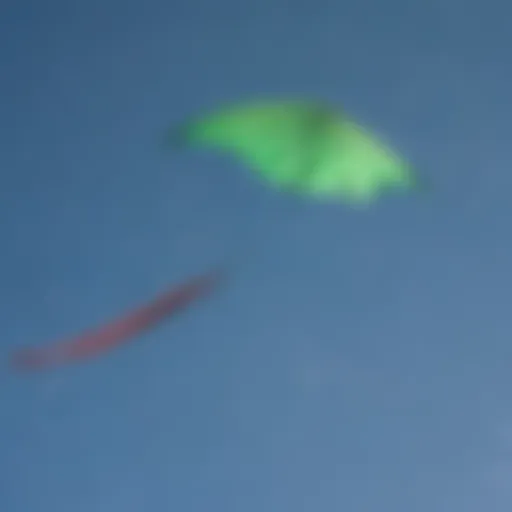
(118,331)
(302,146)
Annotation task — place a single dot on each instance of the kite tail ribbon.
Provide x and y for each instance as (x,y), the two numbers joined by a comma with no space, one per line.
(119,330)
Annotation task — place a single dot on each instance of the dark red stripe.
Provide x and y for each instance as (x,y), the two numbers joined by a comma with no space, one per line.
(118,331)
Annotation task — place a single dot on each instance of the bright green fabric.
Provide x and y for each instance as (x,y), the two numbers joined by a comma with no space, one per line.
(303,147)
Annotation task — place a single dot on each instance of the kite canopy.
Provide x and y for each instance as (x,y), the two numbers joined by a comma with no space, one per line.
(303,147)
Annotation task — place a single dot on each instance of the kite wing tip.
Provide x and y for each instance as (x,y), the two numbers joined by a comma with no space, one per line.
(24,360)
(422,186)
(177,138)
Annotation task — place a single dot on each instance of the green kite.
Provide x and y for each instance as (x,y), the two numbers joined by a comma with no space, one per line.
(304,147)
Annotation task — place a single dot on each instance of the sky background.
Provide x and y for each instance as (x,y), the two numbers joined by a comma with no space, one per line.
(354,361)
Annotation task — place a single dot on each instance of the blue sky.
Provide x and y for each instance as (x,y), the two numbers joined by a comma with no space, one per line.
(356,361)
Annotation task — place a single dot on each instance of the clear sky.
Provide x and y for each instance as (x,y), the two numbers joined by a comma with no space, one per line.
(355,361)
